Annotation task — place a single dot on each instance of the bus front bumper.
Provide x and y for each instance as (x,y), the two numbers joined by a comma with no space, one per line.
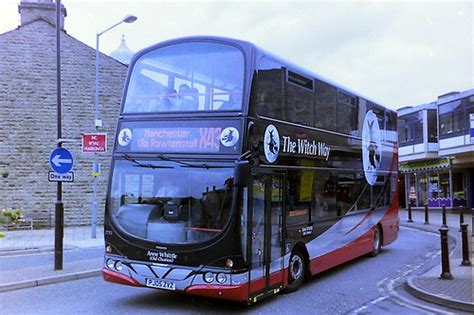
(234,289)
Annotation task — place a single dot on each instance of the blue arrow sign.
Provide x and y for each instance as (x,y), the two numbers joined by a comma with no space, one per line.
(61,160)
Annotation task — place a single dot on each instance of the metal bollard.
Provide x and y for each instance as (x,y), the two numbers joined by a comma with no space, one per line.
(461,218)
(427,221)
(444,218)
(409,214)
(445,273)
(465,246)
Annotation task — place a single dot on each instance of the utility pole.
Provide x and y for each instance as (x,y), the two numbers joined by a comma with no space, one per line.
(59,207)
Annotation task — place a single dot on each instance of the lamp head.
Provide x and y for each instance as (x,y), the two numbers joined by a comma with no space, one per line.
(129,19)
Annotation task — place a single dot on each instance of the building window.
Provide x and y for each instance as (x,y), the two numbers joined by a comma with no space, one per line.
(444,191)
(459,195)
(410,129)
(421,188)
(412,190)
(454,117)
(432,124)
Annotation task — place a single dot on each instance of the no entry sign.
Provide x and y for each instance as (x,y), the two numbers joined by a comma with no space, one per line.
(94,143)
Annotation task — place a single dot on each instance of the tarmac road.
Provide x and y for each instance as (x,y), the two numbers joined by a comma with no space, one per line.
(365,285)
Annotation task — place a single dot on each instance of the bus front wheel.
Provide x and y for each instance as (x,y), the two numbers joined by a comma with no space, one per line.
(296,271)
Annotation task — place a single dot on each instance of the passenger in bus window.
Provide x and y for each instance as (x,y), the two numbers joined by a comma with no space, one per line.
(235,100)
(167,101)
(194,98)
(186,101)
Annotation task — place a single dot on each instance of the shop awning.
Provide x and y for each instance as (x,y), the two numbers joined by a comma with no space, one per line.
(444,163)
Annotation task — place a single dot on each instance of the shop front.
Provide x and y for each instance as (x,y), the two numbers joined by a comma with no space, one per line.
(433,183)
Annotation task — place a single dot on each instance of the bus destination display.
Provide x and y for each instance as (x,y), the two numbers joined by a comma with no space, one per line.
(185,139)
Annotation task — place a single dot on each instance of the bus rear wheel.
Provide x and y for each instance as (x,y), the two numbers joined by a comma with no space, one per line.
(296,271)
(376,242)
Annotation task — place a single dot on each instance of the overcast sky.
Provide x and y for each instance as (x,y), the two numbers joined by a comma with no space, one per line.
(398,53)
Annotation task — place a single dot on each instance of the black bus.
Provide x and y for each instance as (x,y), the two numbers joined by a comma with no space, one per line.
(236,174)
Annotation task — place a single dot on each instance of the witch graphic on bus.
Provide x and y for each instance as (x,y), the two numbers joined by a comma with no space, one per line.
(371,147)
(271,142)
(374,157)
(124,137)
(229,136)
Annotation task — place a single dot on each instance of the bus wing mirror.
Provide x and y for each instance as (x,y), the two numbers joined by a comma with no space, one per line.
(241,173)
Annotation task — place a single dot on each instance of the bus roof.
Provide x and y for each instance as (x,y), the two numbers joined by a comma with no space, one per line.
(253,50)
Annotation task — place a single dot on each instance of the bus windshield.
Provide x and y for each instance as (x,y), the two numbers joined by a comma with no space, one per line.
(170,202)
(195,76)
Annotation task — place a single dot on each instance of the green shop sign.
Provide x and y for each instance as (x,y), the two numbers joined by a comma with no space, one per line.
(425,165)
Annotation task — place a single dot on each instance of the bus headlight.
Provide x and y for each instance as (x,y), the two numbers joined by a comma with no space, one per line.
(221,277)
(110,263)
(208,277)
(229,263)
(118,266)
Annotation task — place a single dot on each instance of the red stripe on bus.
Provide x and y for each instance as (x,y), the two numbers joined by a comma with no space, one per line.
(356,248)
(367,215)
(115,277)
(234,293)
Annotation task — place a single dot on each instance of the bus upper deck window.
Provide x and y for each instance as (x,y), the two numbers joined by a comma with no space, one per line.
(186,77)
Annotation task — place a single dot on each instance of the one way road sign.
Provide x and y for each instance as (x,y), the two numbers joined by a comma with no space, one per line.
(61,160)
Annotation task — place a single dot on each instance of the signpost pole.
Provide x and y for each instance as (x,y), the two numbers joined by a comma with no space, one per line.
(59,207)
(94,143)
(95,173)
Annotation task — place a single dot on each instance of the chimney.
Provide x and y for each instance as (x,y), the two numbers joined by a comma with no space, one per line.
(32,10)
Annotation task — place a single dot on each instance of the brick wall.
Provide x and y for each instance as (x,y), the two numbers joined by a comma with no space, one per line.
(28,119)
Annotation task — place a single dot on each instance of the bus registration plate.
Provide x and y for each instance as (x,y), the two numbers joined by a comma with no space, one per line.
(160,284)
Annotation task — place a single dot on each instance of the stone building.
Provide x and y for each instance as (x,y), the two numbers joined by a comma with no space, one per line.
(28,113)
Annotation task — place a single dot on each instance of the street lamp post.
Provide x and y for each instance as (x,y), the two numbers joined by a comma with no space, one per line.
(98,119)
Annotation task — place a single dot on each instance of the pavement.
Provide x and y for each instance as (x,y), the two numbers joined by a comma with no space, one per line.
(27,257)
(456,293)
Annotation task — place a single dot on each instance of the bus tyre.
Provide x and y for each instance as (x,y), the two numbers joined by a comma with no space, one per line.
(376,242)
(296,271)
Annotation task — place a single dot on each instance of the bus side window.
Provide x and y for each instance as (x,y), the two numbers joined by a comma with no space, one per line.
(323,203)
(264,103)
(325,105)
(269,93)
(298,200)
(298,104)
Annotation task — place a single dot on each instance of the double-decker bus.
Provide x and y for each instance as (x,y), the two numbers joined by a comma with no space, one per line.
(236,175)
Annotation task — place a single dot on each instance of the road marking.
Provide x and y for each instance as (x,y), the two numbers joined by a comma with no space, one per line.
(379,300)
(387,288)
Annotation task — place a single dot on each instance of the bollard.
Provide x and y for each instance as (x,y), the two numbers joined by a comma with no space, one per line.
(465,246)
(445,273)
(461,218)
(426,215)
(445,225)
(409,214)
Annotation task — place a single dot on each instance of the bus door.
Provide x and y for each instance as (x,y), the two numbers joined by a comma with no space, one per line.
(266,274)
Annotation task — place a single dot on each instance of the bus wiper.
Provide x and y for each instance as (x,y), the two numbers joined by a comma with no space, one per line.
(138,164)
(203,165)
